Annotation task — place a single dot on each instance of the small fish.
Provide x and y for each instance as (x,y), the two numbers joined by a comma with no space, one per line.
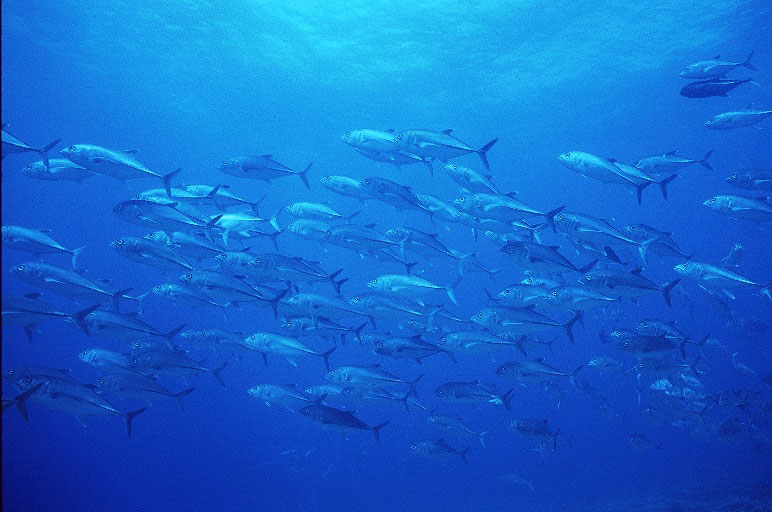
(36,242)
(715,67)
(438,448)
(58,169)
(752,179)
(670,162)
(341,420)
(713,87)
(473,392)
(262,167)
(440,145)
(738,207)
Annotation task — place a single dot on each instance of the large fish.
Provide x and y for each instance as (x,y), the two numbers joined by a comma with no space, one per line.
(345,186)
(405,285)
(408,348)
(601,169)
(119,164)
(440,145)
(272,394)
(738,119)
(289,348)
(149,252)
(58,169)
(536,429)
(501,208)
(35,241)
(294,269)
(369,377)
(738,207)
(372,141)
(390,192)
(454,425)
(438,449)
(535,371)
(521,321)
(13,145)
(218,285)
(621,283)
(160,215)
(162,361)
(262,167)
(471,180)
(543,258)
(28,311)
(473,392)
(123,326)
(713,87)
(717,278)
(330,417)
(714,68)
(134,385)
(670,162)
(752,179)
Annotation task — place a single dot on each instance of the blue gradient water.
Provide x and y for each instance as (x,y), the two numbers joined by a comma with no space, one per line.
(193,83)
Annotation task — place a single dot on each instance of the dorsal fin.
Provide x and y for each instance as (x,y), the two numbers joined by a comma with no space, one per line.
(448,131)
(267,156)
(672,153)
(34,296)
(717,56)
(391,130)
(636,271)
(130,151)
(370,226)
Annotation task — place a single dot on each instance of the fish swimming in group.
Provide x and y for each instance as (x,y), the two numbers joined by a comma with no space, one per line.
(715,68)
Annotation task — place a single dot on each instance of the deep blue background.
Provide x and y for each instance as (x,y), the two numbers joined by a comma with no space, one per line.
(193,83)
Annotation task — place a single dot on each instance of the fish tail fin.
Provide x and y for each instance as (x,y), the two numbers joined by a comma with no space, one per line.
(274,239)
(609,252)
(666,290)
(351,217)
(167,179)
(213,194)
(326,357)
(404,400)
(483,153)
(80,318)
(643,248)
(130,416)
(304,175)
(451,290)
(210,225)
(766,291)
(481,436)
(409,266)
(141,301)
(275,302)
(21,401)
(747,63)
(412,384)
(572,376)
(274,219)
(569,326)
(428,163)
(463,454)
(550,216)
(506,398)
(117,297)
(358,330)
(337,284)
(664,183)
(451,356)
(704,161)
(174,332)
(639,190)
(182,394)
(377,429)
(588,267)
(75,254)
(555,440)
(255,207)
(45,149)
(216,373)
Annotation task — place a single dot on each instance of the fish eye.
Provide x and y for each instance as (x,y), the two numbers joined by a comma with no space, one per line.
(506,292)
(374,281)
(461,199)
(568,154)
(367,181)
(27,381)
(733,177)
(712,199)
(188,276)
(643,325)
(444,339)
(331,374)
(224,162)
(529,281)
(454,166)
(71,148)
(101,382)
(327,233)
(554,294)
(480,314)
(134,362)
(399,136)
(137,344)
(560,217)
(20,268)
(120,242)
(588,278)
(356,299)
(119,207)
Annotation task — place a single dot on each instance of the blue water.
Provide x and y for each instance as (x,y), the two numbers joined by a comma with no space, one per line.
(193,83)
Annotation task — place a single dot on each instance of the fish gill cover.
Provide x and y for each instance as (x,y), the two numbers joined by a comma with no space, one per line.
(386,256)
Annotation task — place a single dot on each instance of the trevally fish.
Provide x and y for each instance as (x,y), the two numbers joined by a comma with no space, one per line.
(160,215)
(521,321)
(545,258)
(134,385)
(262,167)
(149,252)
(162,361)
(713,277)
(218,285)
(670,162)
(621,283)
(501,208)
(535,371)
(122,326)
(179,294)
(58,169)
(455,425)
(738,119)
(195,245)
(244,225)
(67,283)
(345,186)
(35,241)
(715,67)
(272,394)
(663,243)
(601,169)
(13,145)
(473,392)
(119,164)
(405,285)
(408,348)
(738,207)
(438,449)
(752,179)
(440,145)
(390,192)
(372,141)
(713,87)
(471,180)
(596,231)
(341,420)
(290,348)
(368,376)
(293,269)
(536,429)
(474,341)
(28,311)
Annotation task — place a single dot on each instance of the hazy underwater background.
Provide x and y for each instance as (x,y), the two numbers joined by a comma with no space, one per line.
(191,84)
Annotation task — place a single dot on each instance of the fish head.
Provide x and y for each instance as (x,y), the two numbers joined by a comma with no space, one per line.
(77,153)
(486,317)
(337,375)
(507,369)
(441,391)
(27,381)
(635,232)
(713,123)
(158,236)
(24,271)
(571,159)
(513,248)
(306,411)
(90,356)
(418,447)
(259,392)
(35,169)
(406,138)
(397,234)
(379,284)
(190,278)
(592,279)
(232,165)
(719,203)
(690,269)
(464,201)
(558,295)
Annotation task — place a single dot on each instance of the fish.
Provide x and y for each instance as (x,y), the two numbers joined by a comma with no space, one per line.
(317,211)
(368,376)
(218,196)
(409,348)
(751,179)
(536,429)
(372,141)
(244,225)
(521,321)
(641,441)
(315,305)
(623,283)
(405,285)
(715,67)
(601,169)
(440,145)
(455,425)
(391,192)
(344,186)
(190,245)
(28,311)
(670,162)
(118,164)
(363,239)
(713,87)
(738,119)
(438,448)
(474,341)
(271,343)
(649,347)
(138,386)
(262,167)
(162,361)
(67,283)
(732,259)
(220,286)
(294,269)
(338,419)
(72,397)
(471,180)
(738,207)
(58,169)
(13,145)
(166,216)
(148,252)
(179,294)
(501,208)
(712,277)
(662,244)
(272,394)
(535,371)
(309,229)
(36,242)
(606,364)
(545,258)
(473,392)
(122,326)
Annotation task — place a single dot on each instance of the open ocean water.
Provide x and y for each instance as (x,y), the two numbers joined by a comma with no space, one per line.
(658,408)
